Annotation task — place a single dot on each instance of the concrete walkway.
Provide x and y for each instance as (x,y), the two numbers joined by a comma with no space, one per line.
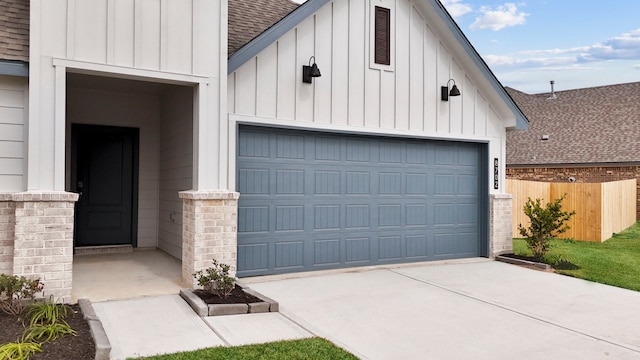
(481,310)
(166,324)
(473,310)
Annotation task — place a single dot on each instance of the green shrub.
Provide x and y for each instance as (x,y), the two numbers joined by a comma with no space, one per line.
(19,350)
(546,223)
(216,279)
(14,291)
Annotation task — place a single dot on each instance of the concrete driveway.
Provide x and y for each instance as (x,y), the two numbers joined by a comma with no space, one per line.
(472,310)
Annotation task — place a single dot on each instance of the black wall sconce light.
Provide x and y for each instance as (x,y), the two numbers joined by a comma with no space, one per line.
(310,71)
(445,93)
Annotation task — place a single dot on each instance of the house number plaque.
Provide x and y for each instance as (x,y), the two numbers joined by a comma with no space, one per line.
(495,173)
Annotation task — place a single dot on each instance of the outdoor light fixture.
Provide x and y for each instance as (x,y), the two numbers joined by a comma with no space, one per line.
(445,93)
(310,71)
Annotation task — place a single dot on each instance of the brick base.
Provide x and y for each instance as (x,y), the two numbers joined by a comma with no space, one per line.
(500,231)
(7,231)
(43,245)
(209,230)
(581,174)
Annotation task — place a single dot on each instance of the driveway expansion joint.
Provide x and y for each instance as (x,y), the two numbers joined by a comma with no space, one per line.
(518,312)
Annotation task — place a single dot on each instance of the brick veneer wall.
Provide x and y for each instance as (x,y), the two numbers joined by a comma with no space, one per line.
(500,224)
(7,229)
(43,245)
(581,174)
(209,230)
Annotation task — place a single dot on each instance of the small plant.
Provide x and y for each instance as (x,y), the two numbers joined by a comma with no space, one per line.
(216,279)
(19,350)
(46,312)
(14,291)
(42,333)
(546,222)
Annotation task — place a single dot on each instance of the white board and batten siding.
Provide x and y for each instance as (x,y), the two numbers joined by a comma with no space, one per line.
(354,96)
(169,41)
(13,117)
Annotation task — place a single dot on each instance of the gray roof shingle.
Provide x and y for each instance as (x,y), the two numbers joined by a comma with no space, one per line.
(590,125)
(14,30)
(247,19)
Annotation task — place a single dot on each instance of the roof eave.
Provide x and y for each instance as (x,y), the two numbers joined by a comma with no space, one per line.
(14,68)
(271,35)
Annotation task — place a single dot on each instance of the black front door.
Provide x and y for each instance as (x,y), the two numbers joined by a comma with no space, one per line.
(104,172)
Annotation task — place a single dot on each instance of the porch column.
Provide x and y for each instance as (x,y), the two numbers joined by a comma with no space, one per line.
(500,225)
(7,230)
(209,231)
(43,245)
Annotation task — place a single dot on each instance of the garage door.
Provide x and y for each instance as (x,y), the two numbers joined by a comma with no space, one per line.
(312,201)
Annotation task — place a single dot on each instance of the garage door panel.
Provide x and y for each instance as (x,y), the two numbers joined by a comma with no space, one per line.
(289,181)
(290,147)
(327,252)
(289,255)
(417,247)
(468,185)
(327,149)
(390,247)
(415,215)
(358,183)
(253,219)
(358,216)
(253,181)
(254,144)
(317,201)
(357,250)
(327,182)
(389,215)
(253,257)
(289,218)
(327,217)
(358,150)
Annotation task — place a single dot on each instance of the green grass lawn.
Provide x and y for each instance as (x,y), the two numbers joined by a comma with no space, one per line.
(614,262)
(305,349)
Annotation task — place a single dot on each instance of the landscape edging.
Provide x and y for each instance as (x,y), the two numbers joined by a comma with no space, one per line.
(514,261)
(102,344)
(203,309)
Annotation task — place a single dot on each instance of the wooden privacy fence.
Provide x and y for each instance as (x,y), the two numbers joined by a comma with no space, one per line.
(602,209)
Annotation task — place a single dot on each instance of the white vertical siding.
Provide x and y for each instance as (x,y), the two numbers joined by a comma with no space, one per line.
(176,165)
(151,34)
(403,98)
(102,107)
(13,112)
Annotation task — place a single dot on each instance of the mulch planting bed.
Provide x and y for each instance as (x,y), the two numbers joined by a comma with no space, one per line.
(80,347)
(237,296)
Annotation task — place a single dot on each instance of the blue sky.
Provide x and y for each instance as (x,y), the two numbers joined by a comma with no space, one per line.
(576,43)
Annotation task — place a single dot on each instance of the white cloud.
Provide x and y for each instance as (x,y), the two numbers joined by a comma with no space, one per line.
(623,47)
(456,8)
(499,17)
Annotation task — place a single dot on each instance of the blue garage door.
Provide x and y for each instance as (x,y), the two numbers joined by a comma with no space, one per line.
(312,201)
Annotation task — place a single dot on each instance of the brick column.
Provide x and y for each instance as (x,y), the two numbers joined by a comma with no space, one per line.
(43,245)
(7,227)
(209,230)
(500,220)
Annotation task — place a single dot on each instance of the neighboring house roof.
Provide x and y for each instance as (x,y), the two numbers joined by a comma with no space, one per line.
(14,30)
(592,125)
(249,18)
